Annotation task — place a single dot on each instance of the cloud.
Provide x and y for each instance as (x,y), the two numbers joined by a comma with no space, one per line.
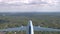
(28,1)
(27,5)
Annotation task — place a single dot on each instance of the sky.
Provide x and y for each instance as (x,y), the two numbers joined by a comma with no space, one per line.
(29,5)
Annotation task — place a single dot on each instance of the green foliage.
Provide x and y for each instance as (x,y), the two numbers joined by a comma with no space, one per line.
(47,21)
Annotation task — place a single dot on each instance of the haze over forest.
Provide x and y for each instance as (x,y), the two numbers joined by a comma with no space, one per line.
(43,19)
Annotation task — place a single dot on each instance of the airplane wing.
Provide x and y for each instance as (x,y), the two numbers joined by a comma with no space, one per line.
(36,28)
(22,28)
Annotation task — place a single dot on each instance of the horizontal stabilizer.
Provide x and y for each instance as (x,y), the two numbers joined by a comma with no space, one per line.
(22,28)
(36,28)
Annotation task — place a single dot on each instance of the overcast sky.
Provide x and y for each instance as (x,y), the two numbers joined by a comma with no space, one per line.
(29,5)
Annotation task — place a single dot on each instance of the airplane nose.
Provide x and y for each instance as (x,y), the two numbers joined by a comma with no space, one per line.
(30,22)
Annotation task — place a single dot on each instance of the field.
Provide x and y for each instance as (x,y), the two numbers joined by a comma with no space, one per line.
(48,20)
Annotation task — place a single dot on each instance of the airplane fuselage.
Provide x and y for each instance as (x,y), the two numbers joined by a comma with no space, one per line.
(30,28)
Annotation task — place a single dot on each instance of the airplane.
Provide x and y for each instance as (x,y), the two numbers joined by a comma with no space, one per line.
(29,29)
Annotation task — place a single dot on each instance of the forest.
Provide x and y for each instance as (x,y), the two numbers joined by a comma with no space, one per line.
(48,20)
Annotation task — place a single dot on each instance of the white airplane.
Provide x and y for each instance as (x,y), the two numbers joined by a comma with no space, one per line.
(29,28)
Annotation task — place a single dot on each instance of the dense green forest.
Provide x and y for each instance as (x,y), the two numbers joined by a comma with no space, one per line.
(48,20)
